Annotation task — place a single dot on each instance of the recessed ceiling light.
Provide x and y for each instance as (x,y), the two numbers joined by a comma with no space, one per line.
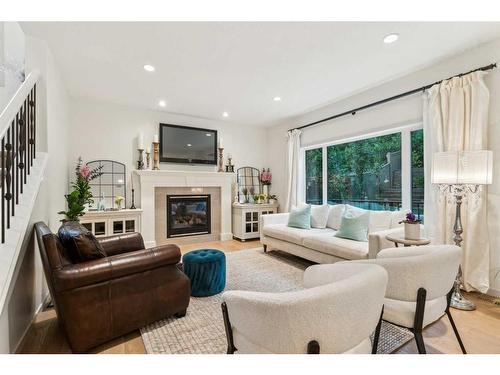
(162,103)
(189,145)
(225,114)
(277,99)
(391,38)
(149,68)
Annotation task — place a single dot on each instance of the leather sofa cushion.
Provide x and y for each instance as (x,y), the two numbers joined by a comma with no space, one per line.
(403,312)
(294,235)
(336,246)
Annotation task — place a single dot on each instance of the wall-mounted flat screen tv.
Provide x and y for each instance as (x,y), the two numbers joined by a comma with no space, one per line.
(187,145)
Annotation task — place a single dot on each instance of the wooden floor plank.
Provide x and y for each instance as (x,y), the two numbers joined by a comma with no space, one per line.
(480,329)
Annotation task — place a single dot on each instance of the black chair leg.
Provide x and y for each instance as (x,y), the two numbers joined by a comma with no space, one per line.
(313,347)
(376,336)
(419,320)
(420,342)
(448,298)
(456,332)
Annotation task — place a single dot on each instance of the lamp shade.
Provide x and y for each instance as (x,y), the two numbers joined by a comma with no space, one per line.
(463,167)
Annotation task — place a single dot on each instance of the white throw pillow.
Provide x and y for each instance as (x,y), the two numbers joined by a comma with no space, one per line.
(335,216)
(319,215)
(380,220)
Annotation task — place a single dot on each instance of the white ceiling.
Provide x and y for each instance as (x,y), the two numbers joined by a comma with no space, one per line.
(204,69)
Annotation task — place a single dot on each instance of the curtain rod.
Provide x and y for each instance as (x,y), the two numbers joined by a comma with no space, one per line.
(407,93)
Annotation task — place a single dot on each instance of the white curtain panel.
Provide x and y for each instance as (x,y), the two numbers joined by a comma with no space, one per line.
(455,119)
(292,168)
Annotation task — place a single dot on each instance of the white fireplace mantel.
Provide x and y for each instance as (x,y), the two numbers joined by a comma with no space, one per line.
(149,180)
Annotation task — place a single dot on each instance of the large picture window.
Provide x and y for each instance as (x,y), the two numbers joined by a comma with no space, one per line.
(314,176)
(383,172)
(366,173)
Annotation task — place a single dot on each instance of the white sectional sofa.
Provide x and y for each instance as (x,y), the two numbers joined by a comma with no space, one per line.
(320,245)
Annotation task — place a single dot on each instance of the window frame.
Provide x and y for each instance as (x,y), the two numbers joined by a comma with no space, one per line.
(405,132)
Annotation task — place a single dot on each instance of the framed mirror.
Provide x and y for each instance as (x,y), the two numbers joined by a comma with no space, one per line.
(248,179)
(108,186)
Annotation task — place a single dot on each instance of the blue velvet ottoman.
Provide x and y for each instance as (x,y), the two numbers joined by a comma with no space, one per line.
(206,268)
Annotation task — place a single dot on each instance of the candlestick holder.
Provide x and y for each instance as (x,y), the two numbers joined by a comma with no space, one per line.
(140,162)
(156,156)
(148,159)
(132,206)
(221,159)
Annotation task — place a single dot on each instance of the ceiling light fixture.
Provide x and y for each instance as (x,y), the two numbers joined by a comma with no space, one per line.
(149,68)
(162,103)
(391,38)
(225,114)
(277,99)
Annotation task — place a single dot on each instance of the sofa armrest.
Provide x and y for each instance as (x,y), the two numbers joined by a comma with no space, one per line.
(377,240)
(270,219)
(113,267)
(121,243)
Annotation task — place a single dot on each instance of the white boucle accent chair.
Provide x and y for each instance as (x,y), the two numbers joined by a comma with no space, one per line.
(337,312)
(420,286)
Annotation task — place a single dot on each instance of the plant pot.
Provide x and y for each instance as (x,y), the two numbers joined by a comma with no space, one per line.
(272,201)
(412,231)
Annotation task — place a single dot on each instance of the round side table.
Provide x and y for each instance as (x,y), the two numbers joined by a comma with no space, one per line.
(400,239)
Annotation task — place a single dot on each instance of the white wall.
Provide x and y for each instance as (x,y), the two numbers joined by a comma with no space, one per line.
(102,130)
(401,112)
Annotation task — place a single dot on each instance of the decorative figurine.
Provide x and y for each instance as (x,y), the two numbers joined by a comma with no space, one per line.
(140,162)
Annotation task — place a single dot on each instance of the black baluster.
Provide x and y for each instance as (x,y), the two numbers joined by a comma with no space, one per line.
(13,165)
(34,127)
(22,144)
(15,151)
(3,189)
(8,165)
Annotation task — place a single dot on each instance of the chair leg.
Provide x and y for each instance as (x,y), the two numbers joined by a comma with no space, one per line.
(313,347)
(229,330)
(419,320)
(265,248)
(448,313)
(376,336)
(420,342)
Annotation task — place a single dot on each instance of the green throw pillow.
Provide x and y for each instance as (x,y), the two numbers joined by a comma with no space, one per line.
(354,226)
(300,217)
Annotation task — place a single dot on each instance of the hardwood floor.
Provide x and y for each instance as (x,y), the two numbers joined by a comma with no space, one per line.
(480,329)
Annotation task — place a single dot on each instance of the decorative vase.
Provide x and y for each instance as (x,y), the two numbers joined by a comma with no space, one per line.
(265,190)
(272,201)
(412,231)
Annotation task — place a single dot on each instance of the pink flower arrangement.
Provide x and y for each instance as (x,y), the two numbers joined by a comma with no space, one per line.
(266,177)
(85,172)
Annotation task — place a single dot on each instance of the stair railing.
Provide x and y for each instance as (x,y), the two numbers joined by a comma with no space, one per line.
(17,147)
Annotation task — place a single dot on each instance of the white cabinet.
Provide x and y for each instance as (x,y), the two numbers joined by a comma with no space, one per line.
(246,218)
(108,223)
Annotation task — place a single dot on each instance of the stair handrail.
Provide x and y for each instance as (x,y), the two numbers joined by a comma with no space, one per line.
(12,108)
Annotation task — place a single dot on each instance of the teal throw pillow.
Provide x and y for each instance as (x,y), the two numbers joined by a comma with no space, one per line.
(300,217)
(354,226)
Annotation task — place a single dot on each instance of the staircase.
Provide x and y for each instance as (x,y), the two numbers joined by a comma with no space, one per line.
(21,169)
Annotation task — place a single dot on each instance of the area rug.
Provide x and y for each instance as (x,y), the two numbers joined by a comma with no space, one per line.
(201,331)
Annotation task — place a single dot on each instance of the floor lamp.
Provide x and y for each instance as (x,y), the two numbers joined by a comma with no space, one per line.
(459,175)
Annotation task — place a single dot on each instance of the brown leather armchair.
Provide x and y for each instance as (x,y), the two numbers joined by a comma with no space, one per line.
(105,298)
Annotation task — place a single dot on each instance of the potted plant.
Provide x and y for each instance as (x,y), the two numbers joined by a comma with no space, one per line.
(81,194)
(412,226)
(272,199)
